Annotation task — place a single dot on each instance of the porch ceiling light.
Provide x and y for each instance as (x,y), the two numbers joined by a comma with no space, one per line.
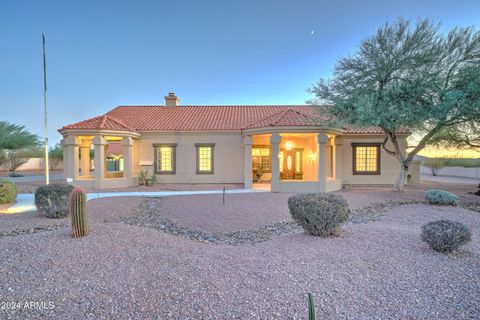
(288,145)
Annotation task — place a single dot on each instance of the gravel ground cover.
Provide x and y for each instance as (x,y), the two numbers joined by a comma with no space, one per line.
(207,212)
(378,270)
(374,270)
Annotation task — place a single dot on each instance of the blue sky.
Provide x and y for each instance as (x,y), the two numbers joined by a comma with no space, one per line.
(101,54)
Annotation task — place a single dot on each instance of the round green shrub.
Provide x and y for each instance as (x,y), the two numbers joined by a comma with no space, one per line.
(445,236)
(53,200)
(437,196)
(319,214)
(8,192)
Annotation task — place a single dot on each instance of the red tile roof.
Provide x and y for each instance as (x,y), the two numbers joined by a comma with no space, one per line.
(210,118)
(104,122)
(291,118)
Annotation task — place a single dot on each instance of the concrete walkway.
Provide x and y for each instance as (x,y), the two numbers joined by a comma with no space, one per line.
(25,201)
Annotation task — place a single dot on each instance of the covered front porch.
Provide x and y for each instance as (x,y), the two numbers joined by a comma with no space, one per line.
(96,160)
(293,160)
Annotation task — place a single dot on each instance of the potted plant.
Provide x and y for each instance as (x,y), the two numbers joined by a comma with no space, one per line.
(259,175)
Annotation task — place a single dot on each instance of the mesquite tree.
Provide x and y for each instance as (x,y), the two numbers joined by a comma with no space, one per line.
(17,143)
(408,77)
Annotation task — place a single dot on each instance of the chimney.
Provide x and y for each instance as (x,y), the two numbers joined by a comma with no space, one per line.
(172,100)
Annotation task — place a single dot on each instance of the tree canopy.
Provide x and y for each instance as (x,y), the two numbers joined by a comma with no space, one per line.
(56,156)
(14,137)
(410,77)
(17,144)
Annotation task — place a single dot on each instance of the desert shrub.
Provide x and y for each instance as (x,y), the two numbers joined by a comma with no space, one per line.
(437,196)
(53,200)
(434,164)
(319,214)
(8,192)
(445,235)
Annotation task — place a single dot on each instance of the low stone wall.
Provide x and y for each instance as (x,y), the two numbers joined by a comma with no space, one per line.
(31,165)
(454,172)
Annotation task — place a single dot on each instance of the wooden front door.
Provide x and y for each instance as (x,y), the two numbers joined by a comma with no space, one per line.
(289,164)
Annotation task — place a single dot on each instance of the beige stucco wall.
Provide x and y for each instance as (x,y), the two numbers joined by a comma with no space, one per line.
(228,156)
(389,166)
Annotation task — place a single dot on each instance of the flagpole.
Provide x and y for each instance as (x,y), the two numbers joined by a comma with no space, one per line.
(47,173)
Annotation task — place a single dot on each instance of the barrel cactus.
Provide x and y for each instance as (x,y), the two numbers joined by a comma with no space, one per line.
(78,210)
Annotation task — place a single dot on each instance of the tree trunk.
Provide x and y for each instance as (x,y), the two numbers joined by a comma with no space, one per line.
(401,180)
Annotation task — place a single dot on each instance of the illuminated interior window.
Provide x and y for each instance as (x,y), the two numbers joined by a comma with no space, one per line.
(261,159)
(280,158)
(165,159)
(366,159)
(205,159)
(298,161)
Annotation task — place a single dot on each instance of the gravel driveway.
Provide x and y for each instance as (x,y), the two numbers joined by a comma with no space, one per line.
(375,270)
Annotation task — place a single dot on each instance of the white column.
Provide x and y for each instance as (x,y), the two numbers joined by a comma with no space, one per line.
(85,157)
(247,162)
(127,144)
(99,144)
(65,158)
(338,157)
(275,140)
(71,157)
(322,140)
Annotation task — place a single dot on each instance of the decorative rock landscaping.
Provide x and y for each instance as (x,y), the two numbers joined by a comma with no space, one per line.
(148,267)
(18,232)
(148,215)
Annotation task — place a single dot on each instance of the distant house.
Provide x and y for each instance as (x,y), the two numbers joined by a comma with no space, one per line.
(292,148)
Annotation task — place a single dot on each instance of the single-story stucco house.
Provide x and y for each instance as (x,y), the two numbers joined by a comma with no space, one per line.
(292,148)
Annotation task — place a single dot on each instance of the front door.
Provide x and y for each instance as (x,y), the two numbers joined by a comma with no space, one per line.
(289,164)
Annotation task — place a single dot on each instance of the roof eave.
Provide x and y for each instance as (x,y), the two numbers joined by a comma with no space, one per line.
(91,132)
(305,129)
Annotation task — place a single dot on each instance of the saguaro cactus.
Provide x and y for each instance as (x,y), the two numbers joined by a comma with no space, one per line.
(78,210)
(311,307)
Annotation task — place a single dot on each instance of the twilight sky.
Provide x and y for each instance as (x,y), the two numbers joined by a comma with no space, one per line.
(101,54)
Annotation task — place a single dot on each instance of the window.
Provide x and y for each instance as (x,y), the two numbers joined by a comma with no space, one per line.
(205,158)
(366,158)
(281,157)
(261,159)
(298,161)
(165,156)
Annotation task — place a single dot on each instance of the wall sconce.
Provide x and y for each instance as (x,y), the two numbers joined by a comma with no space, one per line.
(312,156)
(288,145)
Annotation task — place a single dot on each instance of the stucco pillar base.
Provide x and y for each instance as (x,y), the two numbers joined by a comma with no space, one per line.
(322,140)
(338,158)
(247,162)
(85,158)
(275,140)
(99,144)
(71,149)
(127,145)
